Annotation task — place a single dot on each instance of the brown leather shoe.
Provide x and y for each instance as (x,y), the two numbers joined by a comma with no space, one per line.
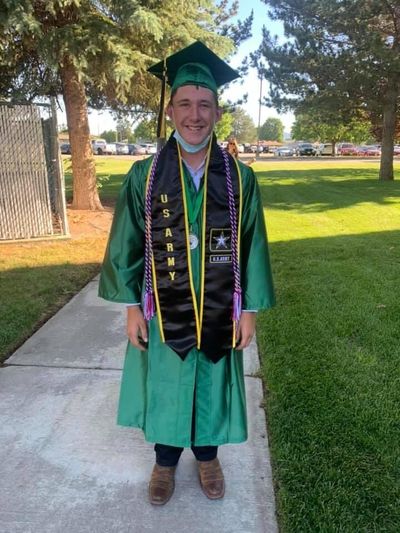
(212,479)
(162,484)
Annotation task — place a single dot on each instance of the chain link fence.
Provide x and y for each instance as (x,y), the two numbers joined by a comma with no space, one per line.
(32,191)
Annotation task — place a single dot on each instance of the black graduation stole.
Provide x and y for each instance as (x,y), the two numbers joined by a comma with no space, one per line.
(184,322)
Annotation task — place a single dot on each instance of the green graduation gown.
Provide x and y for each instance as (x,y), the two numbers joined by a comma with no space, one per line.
(158,388)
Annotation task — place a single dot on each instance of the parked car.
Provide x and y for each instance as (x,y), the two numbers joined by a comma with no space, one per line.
(326,149)
(99,146)
(247,148)
(254,148)
(285,151)
(347,149)
(122,149)
(150,148)
(241,148)
(368,150)
(110,149)
(65,148)
(396,149)
(305,149)
(136,149)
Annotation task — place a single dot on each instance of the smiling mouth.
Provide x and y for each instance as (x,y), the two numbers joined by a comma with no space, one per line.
(194,128)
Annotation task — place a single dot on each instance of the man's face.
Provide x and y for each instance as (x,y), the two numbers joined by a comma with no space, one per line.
(194,112)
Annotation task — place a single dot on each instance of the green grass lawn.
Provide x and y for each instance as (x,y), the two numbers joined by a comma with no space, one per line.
(331,348)
(36,279)
(110,173)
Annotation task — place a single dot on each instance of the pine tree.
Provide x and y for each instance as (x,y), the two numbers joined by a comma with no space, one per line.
(342,56)
(98,53)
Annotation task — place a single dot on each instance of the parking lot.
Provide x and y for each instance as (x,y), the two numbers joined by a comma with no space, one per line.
(251,158)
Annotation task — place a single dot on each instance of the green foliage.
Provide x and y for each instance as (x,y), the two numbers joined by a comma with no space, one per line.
(223,128)
(243,128)
(342,57)
(314,126)
(109,136)
(329,60)
(110,43)
(146,130)
(124,129)
(98,53)
(272,130)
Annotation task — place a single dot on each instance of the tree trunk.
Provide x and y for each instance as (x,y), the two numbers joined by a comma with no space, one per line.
(389,130)
(85,194)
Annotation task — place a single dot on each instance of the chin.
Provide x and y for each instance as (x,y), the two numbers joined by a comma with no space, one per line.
(194,138)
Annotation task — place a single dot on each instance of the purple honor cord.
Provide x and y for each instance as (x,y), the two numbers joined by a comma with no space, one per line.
(149,307)
(237,292)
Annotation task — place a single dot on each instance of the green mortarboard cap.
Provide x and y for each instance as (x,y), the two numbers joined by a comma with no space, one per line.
(194,65)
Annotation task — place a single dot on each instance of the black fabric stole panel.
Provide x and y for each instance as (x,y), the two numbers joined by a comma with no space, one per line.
(175,296)
(217,325)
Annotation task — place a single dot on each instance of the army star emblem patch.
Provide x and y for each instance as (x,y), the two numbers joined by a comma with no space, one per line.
(220,240)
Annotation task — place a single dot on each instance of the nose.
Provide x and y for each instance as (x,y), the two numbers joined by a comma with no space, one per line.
(195,113)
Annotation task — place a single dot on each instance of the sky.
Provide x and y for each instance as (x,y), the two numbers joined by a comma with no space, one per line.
(251,84)
(101,121)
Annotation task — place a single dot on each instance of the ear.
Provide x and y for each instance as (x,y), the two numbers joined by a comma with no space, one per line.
(218,114)
(170,111)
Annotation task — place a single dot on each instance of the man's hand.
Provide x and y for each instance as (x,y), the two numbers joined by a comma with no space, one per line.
(245,330)
(136,327)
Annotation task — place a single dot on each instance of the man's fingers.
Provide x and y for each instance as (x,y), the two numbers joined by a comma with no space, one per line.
(244,343)
(136,328)
(143,330)
(134,339)
(137,344)
(245,330)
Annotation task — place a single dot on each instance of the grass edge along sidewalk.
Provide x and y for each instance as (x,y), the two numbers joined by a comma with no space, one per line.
(330,347)
(38,278)
(330,350)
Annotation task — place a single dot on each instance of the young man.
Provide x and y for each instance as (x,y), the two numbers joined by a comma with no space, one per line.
(188,253)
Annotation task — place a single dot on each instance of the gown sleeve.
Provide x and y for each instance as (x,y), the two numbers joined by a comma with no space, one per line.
(121,275)
(256,275)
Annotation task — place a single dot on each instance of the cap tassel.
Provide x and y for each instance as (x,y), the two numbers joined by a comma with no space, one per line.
(161,125)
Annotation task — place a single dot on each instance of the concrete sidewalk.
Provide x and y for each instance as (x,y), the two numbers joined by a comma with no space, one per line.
(66,467)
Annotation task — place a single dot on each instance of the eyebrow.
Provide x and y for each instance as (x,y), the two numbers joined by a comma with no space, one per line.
(187,100)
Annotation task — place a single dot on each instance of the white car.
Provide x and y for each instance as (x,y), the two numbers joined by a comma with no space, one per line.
(285,151)
(325,149)
(254,148)
(150,148)
(122,149)
(99,146)
(111,149)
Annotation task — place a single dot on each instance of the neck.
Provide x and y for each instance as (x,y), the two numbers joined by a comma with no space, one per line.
(194,160)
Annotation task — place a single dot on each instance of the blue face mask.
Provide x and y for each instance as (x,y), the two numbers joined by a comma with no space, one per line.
(191,148)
